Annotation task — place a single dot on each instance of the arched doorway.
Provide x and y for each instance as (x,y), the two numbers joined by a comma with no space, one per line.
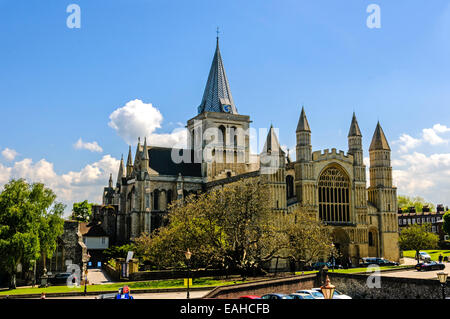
(373,242)
(341,242)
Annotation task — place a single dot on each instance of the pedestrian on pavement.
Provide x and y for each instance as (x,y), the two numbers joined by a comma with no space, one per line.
(440,258)
(124,293)
(43,295)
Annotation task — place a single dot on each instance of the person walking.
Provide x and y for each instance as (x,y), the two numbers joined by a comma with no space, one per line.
(124,293)
(440,258)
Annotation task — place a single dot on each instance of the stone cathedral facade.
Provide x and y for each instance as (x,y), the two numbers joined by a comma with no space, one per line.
(330,184)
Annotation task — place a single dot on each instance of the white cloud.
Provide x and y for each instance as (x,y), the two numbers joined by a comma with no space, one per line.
(9,154)
(139,119)
(429,135)
(90,146)
(70,187)
(427,176)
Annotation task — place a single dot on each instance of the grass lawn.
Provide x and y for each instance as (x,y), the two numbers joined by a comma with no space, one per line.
(354,270)
(170,283)
(434,253)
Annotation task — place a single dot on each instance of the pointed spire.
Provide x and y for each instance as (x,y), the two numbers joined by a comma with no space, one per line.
(130,157)
(217,95)
(272,144)
(379,141)
(303,122)
(137,155)
(110,183)
(354,127)
(121,172)
(145,149)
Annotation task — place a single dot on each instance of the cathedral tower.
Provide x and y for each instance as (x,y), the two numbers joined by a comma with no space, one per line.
(218,134)
(359,171)
(272,167)
(383,195)
(305,184)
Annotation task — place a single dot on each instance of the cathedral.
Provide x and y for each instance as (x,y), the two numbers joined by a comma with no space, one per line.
(329,184)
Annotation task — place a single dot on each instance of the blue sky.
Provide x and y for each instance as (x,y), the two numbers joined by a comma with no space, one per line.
(58,85)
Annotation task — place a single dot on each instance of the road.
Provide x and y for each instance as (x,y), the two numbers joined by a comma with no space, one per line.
(164,295)
(414,273)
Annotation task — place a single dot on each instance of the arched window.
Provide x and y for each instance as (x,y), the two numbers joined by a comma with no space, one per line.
(289,186)
(222,135)
(334,196)
(156,199)
(169,197)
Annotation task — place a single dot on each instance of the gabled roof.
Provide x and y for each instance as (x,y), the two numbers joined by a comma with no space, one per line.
(217,92)
(90,230)
(379,141)
(303,124)
(354,127)
(162,163)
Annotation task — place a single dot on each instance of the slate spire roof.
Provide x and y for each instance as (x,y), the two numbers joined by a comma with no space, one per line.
(272,144)
(121,171)
(354,127)
(379,141)
(303,124)
(217,95)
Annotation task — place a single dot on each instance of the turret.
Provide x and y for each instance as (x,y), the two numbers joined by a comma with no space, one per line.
(380,160)
(145,158)
(303,134)
(121,172)
(137,156)
(129,163)
(355,142)
(110,183)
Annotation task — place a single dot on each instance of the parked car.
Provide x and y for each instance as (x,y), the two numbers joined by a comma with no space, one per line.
(336,294)
(377,261)
(427,266)
(106,296)
(313,293)
(424,256)
(276,296)
(60,279)
(249,297)
(301,296)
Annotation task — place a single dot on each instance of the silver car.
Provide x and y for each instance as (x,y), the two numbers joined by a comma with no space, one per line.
(336,295)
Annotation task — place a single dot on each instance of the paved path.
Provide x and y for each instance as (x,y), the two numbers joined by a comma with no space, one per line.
(98,277)
(162,295)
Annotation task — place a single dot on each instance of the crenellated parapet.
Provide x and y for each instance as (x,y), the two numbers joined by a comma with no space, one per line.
(326,155)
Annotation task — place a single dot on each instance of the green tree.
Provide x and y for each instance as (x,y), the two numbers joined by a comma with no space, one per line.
(30,222)
(230,227)
(307,239)
(404,202)
(416,237)
(82,211)
(446,225)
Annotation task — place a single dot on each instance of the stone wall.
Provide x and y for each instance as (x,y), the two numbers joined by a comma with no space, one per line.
(174,274)
(355,285)
(282,285)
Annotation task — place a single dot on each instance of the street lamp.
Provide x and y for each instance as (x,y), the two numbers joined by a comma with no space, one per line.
(442,276)
(327,289)
(188,255)
(86,274)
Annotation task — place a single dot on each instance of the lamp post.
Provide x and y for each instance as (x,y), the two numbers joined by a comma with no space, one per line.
(188,255)
(327,289)
(442,276)
(86,274)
